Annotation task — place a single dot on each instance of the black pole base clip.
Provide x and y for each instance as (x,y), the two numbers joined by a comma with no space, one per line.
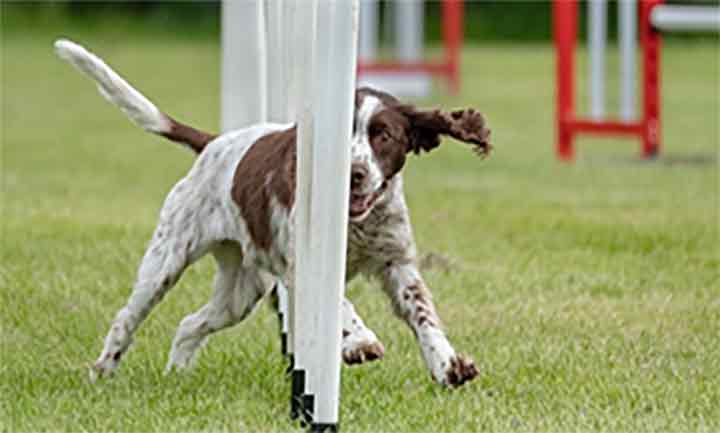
(323,428)
(296,394)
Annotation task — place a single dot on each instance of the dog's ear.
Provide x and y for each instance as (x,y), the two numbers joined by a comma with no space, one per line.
(426,126)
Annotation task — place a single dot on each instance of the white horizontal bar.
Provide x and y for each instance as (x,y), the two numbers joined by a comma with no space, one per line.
(686,18)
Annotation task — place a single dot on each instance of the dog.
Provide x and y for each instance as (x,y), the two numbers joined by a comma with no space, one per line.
(237,203)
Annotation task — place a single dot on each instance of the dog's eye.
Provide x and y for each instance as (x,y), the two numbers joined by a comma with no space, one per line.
(384,184)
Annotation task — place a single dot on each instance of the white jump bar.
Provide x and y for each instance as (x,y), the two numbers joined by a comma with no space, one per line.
(686,18)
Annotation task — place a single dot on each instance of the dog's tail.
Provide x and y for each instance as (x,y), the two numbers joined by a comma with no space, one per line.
(138,108)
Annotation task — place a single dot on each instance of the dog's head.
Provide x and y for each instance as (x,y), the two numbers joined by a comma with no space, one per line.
(386,130)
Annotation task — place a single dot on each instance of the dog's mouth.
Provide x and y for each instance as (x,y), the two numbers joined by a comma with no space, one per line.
(362,204)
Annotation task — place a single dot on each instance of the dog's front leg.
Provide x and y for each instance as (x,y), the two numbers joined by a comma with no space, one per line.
(359,343)
(412,301)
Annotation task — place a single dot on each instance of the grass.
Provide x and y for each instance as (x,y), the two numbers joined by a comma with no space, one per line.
(588,293)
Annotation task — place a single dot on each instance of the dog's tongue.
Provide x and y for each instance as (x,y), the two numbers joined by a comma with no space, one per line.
(358,203)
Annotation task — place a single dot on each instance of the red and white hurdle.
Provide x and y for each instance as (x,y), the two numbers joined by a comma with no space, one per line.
(654,18)
(408,72)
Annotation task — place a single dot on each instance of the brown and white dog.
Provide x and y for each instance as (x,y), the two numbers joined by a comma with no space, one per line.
(237,203)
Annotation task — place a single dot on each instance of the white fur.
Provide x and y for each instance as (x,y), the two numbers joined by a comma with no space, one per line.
(360,338)
(436,349)
(113,87)
(361,151)
(195,219)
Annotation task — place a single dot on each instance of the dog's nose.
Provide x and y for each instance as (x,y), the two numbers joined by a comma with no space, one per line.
(358,173)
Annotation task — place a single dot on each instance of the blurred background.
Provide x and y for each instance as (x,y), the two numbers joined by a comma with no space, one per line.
(485,21)
(587,292)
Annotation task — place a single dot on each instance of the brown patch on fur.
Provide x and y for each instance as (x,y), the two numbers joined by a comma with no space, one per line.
(461,370)
(423,313)
(421,309)
(366,352)
(181,133)
(387,132)
(267,170)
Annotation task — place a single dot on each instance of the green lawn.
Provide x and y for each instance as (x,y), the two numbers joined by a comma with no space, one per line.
(587,293)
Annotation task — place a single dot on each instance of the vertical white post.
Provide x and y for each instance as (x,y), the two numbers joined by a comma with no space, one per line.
(290,56)
(243,88)
(286,298)
(277,80)
(368,42)
(627,28)
(409,29)
(280,108)
(597,30)
(334,110)
(321,210)
(302,298)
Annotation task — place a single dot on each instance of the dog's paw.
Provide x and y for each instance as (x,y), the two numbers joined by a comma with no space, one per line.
(179,362)
(102,368)
(461,370)
(363,352)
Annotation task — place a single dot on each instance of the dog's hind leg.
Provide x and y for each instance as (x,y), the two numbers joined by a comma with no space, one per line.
(237,290)
(174,246)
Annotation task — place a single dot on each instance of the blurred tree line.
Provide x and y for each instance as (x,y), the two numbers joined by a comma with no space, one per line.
(485,20)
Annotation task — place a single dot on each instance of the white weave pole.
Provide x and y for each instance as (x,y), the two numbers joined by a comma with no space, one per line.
(277,88)
(409,29)
(281,99)
(321,209)
(627,38)
(302,298)
(286,298)
(597,30)
(290,8)
(368,42)
(244,76)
